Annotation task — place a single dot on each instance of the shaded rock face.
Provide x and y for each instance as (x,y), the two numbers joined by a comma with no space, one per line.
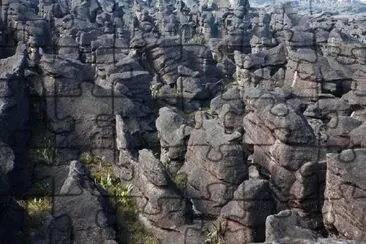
(345,184)
(79,198)
(244,216)
(13,99)
(12,217)
(357,93)
(263,69)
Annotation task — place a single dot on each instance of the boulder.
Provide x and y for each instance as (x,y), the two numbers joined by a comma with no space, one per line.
(327,108)
(283,143)
(287,224)
(358,136)
(338,131)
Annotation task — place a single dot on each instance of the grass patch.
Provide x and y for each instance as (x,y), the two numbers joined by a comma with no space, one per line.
(207,110)
(154,90)
(37,208)
(228,85)
(119,192)
(96,164)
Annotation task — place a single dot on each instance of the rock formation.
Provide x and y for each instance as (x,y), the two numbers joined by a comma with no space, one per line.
(228,122)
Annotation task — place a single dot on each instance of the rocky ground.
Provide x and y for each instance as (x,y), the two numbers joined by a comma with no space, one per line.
(181,122)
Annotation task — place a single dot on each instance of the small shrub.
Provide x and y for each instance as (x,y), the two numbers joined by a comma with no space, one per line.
(114,188)
(207,110)
(39,206)
(91,159)
(37,209)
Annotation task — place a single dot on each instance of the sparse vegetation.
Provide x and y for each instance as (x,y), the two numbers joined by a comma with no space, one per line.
(228,85)
(96,164)
(120,193)
(45,151)
(197,40)
(180,180)
(41,188)
(154,90)
(207,110)
(37,209)
(215,235)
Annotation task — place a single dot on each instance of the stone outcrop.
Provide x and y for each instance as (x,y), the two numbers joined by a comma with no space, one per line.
(174,131)
(86,207)
(343,209)
(219,164)
(217,114)
(285,148)
(245,215)
(157,198)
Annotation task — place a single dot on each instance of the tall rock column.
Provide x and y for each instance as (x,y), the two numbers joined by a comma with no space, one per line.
(285,151)
(215,165)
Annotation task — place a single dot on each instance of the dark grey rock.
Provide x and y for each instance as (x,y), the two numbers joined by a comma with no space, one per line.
(247,211)
(216,159)
(82,202)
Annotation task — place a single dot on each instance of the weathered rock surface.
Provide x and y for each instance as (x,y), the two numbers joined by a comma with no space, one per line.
(160,201)
(287,224)
(214,167)
(86,207)
(273,90)
(174,131)
(345,185)
(244,216)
